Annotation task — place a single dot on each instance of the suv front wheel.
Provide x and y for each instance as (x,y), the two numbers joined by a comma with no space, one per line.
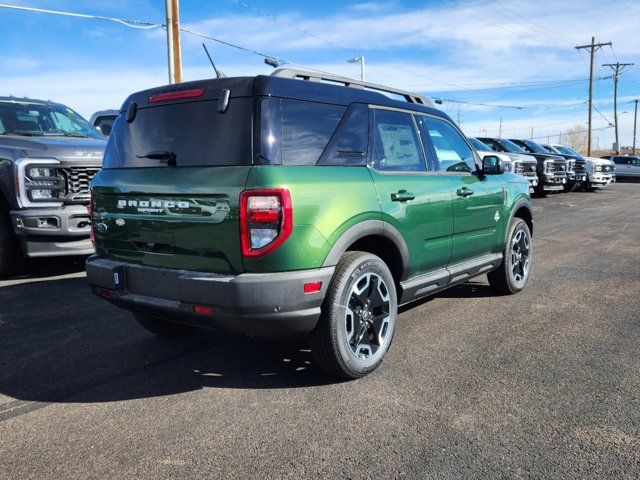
(358,317)
(512,274)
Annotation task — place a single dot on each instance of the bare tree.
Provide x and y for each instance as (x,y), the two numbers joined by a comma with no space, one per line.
(577,138)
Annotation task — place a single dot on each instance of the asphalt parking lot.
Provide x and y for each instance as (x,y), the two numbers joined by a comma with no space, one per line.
(542,384)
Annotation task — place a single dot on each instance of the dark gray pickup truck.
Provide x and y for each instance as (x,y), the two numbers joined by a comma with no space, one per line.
(48,156)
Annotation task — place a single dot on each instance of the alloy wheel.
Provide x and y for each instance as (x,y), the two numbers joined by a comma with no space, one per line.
(368,324)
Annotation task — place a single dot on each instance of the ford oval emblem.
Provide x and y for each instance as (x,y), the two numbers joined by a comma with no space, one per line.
(102,227)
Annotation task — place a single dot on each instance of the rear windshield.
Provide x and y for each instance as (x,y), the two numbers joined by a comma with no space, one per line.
(191,133)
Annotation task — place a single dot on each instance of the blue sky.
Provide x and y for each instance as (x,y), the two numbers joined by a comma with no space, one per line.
(512,53)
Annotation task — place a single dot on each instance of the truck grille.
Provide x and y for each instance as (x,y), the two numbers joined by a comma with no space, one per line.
(580,167)
(519,168)
(606,168)
(560,169)
(77,181)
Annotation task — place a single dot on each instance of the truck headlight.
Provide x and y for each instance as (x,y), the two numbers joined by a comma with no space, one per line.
(549,166)
(38,183)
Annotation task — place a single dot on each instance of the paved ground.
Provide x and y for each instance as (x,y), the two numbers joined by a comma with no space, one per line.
(542,384)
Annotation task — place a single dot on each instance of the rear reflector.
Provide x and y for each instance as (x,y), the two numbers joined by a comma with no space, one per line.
(200,310)
(312,287)
(165,97)
(105,292)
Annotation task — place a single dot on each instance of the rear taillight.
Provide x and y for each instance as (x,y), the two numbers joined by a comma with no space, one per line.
(266,220)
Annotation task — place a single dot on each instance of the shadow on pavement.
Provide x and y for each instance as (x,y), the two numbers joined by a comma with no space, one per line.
(59,343)
(48,267)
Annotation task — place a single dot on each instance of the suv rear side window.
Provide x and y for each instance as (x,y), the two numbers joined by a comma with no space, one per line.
(452,152)
(296,132)
(396,146)
(195,132)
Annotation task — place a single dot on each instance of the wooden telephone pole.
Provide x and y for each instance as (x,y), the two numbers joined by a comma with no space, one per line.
(617,68)
(173,41)
(635,124)
(593,46)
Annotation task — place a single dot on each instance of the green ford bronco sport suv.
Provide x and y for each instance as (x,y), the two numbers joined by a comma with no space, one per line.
(298,204)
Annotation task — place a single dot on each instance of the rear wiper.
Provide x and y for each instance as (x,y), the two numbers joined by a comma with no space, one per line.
(165,155)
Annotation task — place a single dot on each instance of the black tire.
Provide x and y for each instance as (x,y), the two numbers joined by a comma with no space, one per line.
(572,187)
(9,248)
(161,327)
(540,192)
(331,347)
(503,280)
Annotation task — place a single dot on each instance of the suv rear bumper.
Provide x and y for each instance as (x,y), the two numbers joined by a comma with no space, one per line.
(263,304)
(60,231)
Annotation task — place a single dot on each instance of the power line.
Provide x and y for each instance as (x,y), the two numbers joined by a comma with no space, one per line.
(127,23)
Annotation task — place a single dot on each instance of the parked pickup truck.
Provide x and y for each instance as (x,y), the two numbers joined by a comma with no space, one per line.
(280,206)
(523,163)
(48,156)
(552,169)
(576,167)
(600,173)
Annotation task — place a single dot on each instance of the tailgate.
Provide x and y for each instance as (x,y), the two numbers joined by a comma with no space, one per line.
(182,218)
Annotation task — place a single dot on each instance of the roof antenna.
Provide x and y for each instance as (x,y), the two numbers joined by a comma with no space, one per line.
(219,73)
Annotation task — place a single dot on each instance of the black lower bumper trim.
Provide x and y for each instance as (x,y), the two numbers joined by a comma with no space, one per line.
(263,304)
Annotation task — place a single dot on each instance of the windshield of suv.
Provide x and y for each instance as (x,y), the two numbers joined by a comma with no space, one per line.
(510,146)
(567,150)
(39,120)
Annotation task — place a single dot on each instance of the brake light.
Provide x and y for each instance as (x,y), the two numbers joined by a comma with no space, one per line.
(266,220)
(165,97)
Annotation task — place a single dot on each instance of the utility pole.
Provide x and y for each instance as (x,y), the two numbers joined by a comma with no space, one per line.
(173,41)
(635,124)
(500,131)
(593,46)
(458,117)
(531,133)
(618,68)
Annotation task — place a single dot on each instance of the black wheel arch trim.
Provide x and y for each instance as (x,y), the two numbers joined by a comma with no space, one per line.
(523,202)
(365,229)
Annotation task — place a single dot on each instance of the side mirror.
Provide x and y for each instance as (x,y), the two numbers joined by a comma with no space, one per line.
(105,128)
(492,165)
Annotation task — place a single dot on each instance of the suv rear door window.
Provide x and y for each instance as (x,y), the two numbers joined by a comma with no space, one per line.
(396,146)
(195,132)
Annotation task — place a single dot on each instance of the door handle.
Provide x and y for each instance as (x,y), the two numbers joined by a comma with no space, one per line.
(402,196)
(464,192)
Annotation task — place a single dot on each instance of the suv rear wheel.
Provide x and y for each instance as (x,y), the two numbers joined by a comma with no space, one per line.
(513,273)
(162,327)
(358,318)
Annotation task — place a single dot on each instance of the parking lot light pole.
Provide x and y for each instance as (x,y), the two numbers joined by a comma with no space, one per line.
(359,60)
(173,41)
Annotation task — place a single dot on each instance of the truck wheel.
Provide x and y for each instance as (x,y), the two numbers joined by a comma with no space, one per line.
(358,317)
(512,274)
(162,327)
(8,246)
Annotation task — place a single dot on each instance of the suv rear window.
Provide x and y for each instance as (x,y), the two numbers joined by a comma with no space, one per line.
(195,132)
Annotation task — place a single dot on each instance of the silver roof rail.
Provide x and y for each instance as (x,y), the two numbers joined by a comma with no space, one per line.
(410,97)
